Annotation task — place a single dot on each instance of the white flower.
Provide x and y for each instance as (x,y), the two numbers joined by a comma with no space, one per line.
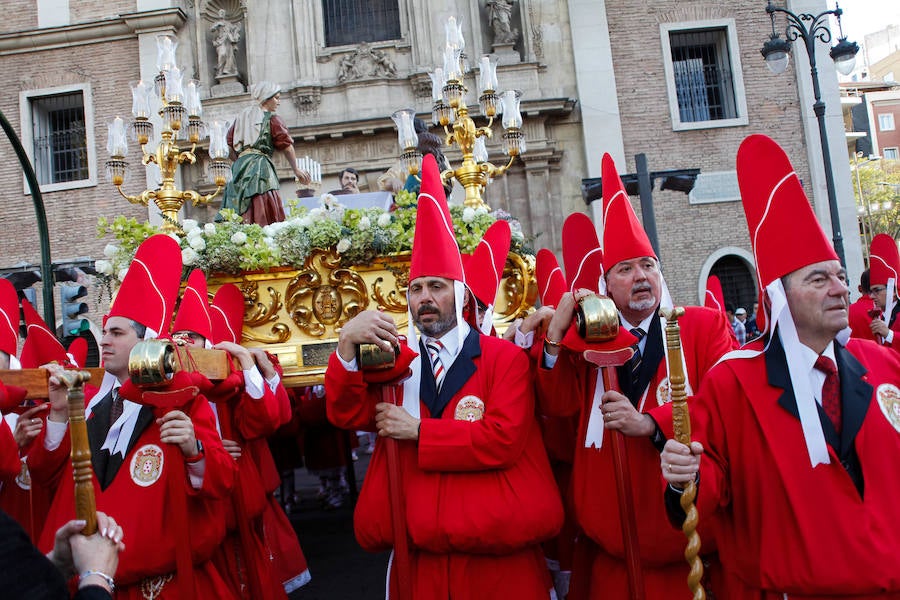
(328,201)
(104,267)
(239,238)
(343,245)
(197,243)
(175,237)
(188,256)
(316,214)
(364,223)
(481,211)
(110,251)
(196,232)
(209,229)
(384,219)
(121,274)
(468,215)
(270,242)
(189,225)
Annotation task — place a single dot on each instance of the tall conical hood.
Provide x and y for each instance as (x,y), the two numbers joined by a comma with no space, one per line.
(193,312)
(624,237)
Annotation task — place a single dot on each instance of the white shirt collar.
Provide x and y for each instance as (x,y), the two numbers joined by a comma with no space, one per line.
(644,325)
(450,342)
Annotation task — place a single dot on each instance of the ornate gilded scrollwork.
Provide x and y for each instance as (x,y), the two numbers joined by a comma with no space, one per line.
(255,312)
(519,288)
(390,300)
(280,334)
(324,294)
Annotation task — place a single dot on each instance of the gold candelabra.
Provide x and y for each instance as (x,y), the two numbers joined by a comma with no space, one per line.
(176,101)
(451,112)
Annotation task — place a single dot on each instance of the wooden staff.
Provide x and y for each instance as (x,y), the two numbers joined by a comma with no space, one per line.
(606,362)
(681,421)
(85,504)
(391,393)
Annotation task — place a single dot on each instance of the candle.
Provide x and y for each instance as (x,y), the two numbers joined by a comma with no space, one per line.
(485,81)
(116,144)
(437,84)
(174,86)
(192,99)
(140,99)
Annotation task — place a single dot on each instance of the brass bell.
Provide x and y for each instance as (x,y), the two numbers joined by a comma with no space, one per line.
(372,357)
(151,363)
(597,318)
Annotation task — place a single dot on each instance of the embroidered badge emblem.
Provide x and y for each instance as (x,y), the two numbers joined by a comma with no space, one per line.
(663,392)
(470,408)
(147,465)
(23,479)
(889,401)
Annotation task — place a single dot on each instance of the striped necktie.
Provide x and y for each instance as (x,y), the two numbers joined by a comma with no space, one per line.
(437,367)
(634,364)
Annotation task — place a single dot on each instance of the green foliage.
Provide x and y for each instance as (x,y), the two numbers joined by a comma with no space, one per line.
(879,204)
(358,235)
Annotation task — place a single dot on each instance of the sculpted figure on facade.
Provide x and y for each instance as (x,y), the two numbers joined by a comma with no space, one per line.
(500,16)
(225,37)
(366,62)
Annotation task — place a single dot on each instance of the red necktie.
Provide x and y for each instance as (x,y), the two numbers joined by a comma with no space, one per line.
(831,391)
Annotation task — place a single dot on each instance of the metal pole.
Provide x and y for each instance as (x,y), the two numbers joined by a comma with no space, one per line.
(43,232)
(645,189)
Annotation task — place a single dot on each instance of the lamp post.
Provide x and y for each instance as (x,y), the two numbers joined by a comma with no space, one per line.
(809,28)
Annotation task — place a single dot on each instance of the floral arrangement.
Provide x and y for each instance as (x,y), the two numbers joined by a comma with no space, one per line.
(357,235)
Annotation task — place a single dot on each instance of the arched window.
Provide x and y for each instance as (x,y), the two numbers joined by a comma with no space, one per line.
(738,285)
(355,21)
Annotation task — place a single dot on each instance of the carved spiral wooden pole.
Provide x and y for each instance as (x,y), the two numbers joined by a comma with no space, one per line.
(85,505)
(682,424)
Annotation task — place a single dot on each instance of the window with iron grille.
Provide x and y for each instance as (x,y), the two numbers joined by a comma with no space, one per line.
(738,286)
(59,138)
(355,21)
(703,74)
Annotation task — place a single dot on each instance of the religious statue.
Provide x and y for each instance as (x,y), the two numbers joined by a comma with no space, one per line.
(500,16)
(226,36)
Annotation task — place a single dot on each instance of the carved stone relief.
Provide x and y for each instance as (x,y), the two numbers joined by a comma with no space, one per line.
(366,63)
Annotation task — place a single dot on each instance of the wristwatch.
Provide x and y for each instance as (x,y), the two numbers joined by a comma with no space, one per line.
(197,457)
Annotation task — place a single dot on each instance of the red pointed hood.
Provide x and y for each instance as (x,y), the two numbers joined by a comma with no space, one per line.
(193,312)
(550,280)
(148,293)
(714,298)
(884,260)
(485,268)
(227,313)
(435,252)
(41,345)
(582,255)
(9,318)
(624,237)
(777,210)
(77,352)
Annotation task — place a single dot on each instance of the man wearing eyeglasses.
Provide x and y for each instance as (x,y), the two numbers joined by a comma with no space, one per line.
(884,265)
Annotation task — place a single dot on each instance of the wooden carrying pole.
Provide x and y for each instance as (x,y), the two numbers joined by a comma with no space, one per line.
(392,394)
(85,504)
(681,421)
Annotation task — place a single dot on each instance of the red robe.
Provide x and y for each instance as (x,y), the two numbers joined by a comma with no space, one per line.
(567,389)
(137,498)
(479,493)
(860,318)
(787,530)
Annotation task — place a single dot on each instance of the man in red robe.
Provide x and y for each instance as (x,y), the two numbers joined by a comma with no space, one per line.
(568,385)
(134,446)
(478,492)
(797,434)
(884,266)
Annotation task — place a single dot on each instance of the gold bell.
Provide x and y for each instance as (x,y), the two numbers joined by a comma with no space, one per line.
(597,318)
(372,357)
(151,363)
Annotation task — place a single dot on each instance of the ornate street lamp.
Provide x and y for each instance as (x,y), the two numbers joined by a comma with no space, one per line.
(776,51)
(180,111)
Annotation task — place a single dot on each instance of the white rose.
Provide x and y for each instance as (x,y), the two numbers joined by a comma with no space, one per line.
(468,215)
(306,222)
(209,229)
(121,274)
(481,211)
(104,267)
(189,225)
(384,220)
(316,214)
(195,233)
(343,245)
(197,243)
(270,242)
(175,237)
(239,238)
(328,200)
(364,223)
(110,250)
(188,256)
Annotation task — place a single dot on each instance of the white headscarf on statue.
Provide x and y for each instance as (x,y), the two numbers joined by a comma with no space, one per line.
(248,123)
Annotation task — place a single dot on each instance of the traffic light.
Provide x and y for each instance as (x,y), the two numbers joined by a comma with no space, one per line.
(72,308)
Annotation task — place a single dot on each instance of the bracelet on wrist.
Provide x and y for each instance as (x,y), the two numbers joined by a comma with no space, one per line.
(550,342)
(109,580)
